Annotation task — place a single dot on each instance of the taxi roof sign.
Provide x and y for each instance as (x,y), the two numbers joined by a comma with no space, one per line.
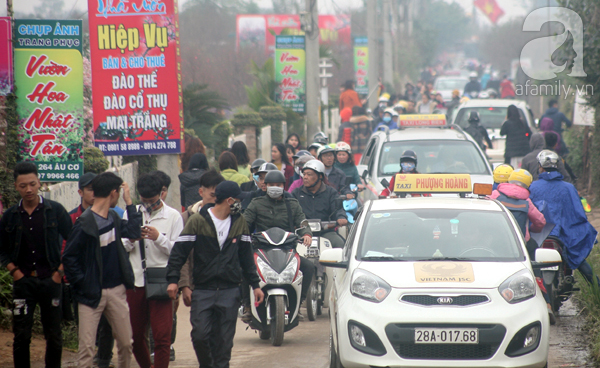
(422,120)
(432,183)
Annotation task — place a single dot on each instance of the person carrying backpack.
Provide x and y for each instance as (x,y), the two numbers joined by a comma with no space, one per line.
(478,132)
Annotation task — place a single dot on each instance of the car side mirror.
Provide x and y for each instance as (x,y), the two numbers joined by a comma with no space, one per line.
(385,183)
(363,171)
(546,258)
(333,258)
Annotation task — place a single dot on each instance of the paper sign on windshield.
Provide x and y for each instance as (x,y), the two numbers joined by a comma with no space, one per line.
(422,120)
(426,272)
(438,183)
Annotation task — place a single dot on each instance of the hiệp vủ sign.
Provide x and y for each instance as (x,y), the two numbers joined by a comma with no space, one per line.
(136,76)
(49,79)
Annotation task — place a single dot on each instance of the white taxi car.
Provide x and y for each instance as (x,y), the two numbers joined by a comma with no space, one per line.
(436,282)
(440,148)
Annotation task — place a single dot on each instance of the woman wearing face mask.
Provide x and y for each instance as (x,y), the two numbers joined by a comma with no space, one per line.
(387,120)
(408,165)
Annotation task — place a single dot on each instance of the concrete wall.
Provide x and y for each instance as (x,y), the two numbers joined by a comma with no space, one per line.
(66,192)
(169,164)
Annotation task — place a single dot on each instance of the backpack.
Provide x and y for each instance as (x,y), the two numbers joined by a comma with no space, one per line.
(519,209)
(474,132)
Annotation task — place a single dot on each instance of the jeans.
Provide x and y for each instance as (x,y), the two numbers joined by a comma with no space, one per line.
(213,317)
(587,272)
(27,293)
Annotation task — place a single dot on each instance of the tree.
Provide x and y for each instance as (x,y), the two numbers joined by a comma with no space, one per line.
(262,91)
(202,112)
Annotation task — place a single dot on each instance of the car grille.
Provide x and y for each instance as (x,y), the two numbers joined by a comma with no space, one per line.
(402,337)
(460,300)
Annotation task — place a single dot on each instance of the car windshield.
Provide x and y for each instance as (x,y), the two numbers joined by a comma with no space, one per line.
(439,234)
(434,156)
(491,117)
(450,83)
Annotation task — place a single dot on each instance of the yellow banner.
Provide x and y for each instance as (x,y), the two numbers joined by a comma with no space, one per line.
(426,272)
(432,183)
(422,120)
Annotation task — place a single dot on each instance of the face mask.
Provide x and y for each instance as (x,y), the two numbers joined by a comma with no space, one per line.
(387,119)
(152,207)
(256,178)
(235,208)
(407,166)
(274,192)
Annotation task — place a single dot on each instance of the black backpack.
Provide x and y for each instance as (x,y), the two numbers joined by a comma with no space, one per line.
(474,132)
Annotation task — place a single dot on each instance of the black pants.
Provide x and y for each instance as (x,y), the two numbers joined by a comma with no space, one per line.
(213,317)
(27,293)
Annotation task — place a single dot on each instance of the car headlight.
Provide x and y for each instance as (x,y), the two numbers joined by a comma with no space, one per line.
(367,286)
(270,276)
(518,287)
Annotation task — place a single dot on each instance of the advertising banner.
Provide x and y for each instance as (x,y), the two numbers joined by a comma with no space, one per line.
(260,30)
(6,62)
(361,65)
(290,72)
(49,80)
(136,77)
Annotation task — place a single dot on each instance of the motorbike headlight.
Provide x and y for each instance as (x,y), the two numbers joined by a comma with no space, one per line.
(367,286)
(518,287)
(271,277)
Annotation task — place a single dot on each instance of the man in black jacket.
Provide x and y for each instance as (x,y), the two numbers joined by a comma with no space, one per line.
(335,176)
(98,268)
(30,244)
(320,201)
(223,255)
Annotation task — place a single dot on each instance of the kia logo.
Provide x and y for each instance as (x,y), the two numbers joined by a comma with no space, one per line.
(445,300)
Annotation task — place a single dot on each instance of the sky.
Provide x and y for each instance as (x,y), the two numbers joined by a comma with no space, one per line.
(512,8)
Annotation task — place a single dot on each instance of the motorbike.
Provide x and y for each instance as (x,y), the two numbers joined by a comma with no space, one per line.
(558,280)
(278,266)
(318,293)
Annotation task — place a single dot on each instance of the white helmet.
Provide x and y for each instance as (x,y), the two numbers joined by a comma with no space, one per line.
(473,75)
(315,165)
(383,99)
(343,146)
(548,159)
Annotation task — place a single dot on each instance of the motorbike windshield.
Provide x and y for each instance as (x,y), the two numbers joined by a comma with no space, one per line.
(435,156)
(439,234)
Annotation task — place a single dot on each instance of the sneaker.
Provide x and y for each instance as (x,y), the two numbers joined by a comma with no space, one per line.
(247,315)
(172,355)
(551,315)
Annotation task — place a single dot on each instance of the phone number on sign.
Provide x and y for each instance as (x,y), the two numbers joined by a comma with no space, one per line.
(59,176)
(136,146)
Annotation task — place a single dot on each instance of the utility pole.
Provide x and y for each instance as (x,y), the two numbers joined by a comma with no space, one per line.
(388,47)
(313,100)
(373,44)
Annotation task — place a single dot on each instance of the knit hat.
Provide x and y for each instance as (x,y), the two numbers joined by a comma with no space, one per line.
(346,114)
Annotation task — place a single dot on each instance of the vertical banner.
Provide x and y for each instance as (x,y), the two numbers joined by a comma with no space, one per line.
(136,77)
(6,62)
(290,72)
(49,80)
(361,65)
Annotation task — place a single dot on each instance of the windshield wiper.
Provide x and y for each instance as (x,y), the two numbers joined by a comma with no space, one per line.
(381,258)
(456,259)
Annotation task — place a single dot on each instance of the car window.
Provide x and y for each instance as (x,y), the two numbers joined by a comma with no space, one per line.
(447,84)
(491,117)
(435,156)
(424,234)
(367,156)
(350,241)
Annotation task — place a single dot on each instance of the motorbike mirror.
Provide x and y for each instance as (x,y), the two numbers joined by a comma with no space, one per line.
(544,255)
(363,171)
(304,223)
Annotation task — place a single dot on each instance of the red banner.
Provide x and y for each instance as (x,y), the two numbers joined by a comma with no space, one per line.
(490,8)
(259,30)
(136,76)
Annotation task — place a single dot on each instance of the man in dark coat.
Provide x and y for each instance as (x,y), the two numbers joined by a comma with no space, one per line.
(558,118)
(538,143)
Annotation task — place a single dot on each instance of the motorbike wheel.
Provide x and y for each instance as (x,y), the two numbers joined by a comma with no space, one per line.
(278,321)
(312,303)
(264,335)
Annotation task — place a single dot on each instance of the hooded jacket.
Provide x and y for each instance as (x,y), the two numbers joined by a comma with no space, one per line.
(82,258)
(189,186)
(558,118)
(214,267)
(361,132)
(561,205)
(530,162)
(350,170)
(265,212)
(231,174)
(536,218)
(517,138)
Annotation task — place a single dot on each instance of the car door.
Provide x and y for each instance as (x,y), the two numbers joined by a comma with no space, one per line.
(368,159)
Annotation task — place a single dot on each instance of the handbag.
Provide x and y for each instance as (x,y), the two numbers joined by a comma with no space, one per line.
(155,278)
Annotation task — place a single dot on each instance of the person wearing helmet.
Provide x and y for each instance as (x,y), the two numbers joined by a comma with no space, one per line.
(473,86)
(252,185)
(387,120)
(296,175)
(408,165)
(501,174)
(538,143)
(563,209)
(277,210)
(314,148)
(298,165)
(321,138)
(478,132)
(335,177)
(262,187)
(345,162)
(320,201)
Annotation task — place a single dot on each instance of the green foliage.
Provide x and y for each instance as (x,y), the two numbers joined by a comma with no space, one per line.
(5,297)
(146,163)
(589,297)
(94,160)
(246,118)
(221,133)
(7,190)
(262,91)
(201,112)
(574,139)
(295,124)
(274,116)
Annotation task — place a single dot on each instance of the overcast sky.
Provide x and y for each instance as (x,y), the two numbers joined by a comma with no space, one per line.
(512,8)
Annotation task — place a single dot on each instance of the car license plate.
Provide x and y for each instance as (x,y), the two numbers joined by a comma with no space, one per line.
(446,335)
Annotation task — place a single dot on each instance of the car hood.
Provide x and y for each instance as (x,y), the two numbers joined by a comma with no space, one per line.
(471,275)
